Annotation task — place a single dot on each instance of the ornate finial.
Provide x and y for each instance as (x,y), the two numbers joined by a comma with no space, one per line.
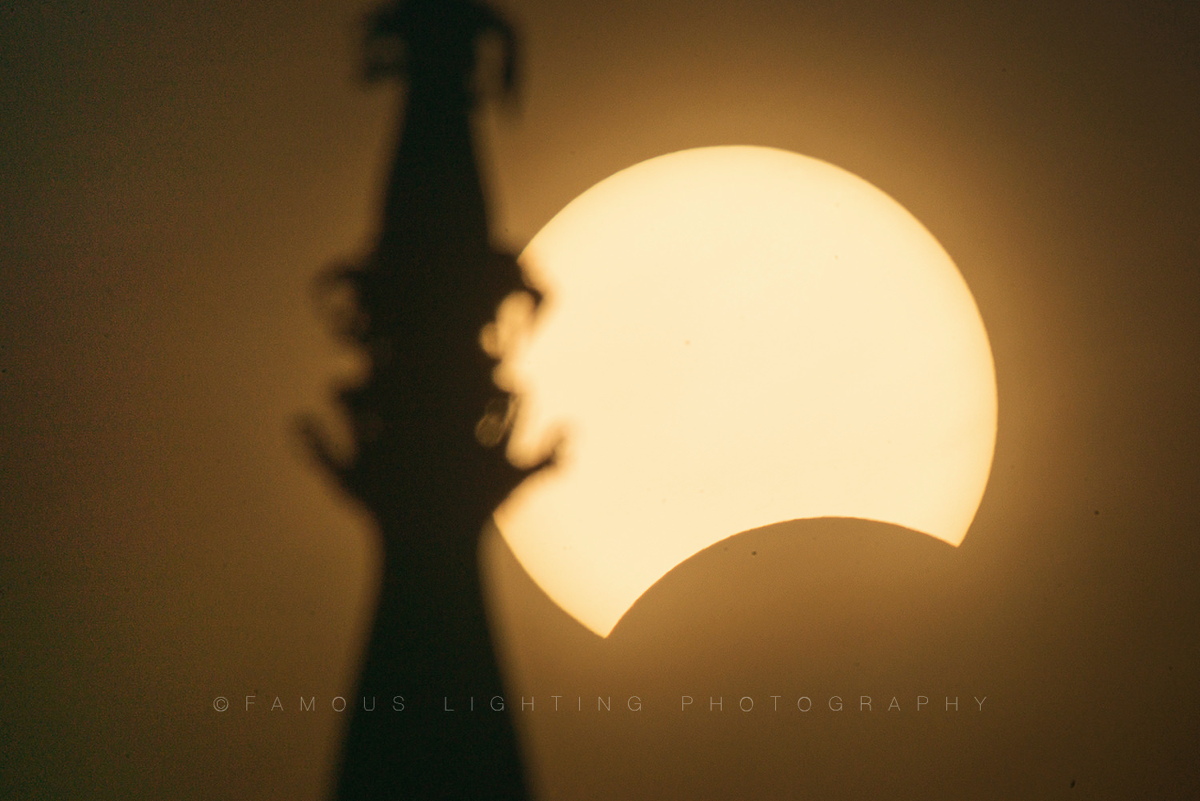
(437,38)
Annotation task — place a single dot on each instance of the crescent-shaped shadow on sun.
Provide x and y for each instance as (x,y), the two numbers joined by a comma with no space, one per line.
(816,608)
(820,576)
(822,569)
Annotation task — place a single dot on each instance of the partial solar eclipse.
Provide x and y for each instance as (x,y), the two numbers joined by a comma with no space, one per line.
(733,337)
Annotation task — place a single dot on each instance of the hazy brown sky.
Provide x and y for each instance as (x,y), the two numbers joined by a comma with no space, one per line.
(175,173)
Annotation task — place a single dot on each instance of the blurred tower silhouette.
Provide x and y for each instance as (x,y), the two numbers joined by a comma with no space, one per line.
(415,307)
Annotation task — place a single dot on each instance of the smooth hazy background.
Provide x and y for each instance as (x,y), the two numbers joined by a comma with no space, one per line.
(174,174)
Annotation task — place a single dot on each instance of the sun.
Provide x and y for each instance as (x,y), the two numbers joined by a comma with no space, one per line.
(733,337)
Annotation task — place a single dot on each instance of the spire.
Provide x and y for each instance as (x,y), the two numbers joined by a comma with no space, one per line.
(417,305)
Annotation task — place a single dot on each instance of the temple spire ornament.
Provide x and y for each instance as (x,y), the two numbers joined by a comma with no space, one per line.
(415,307)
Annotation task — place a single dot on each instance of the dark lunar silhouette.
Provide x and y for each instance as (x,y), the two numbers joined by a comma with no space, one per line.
(415,306)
